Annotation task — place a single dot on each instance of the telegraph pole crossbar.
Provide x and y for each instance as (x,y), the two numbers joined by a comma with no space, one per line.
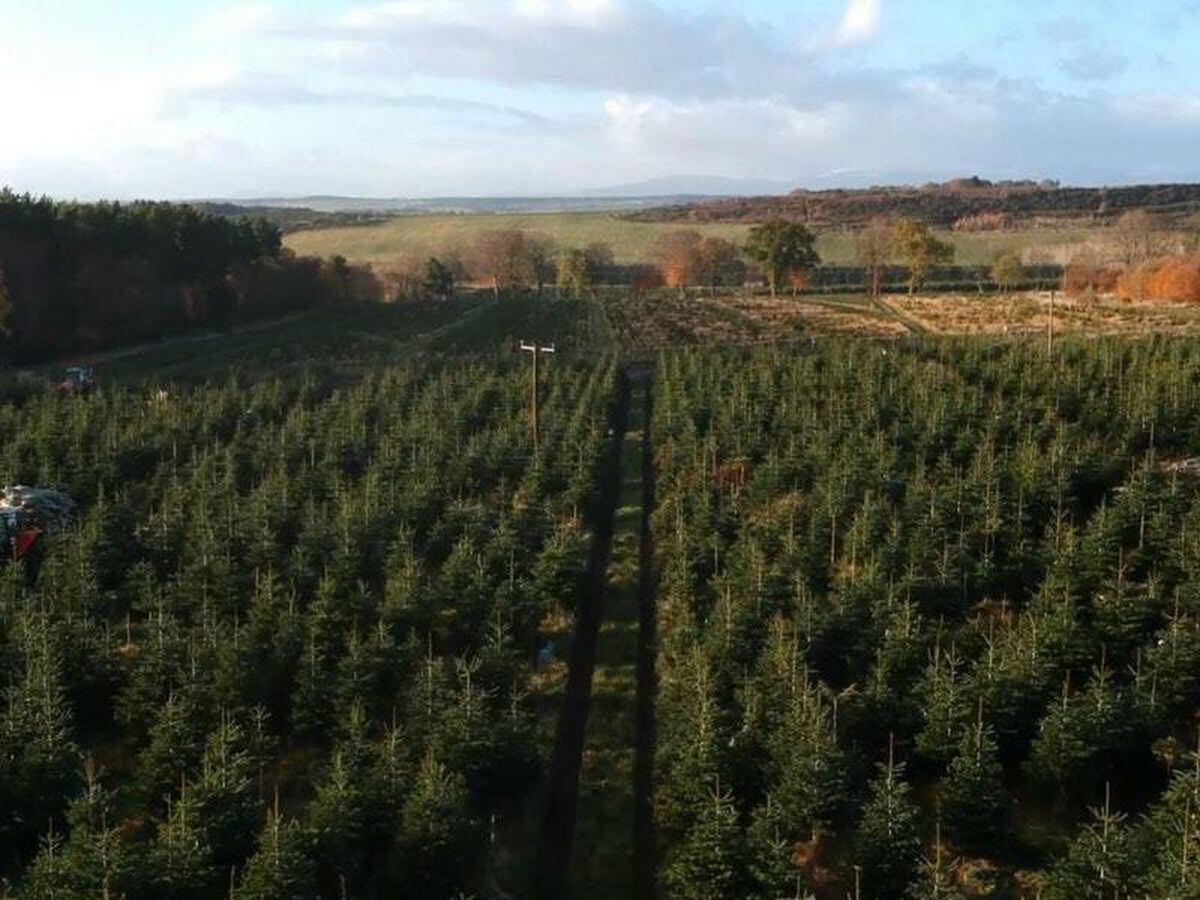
(535,351)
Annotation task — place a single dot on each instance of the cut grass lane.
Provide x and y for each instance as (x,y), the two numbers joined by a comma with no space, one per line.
(602,864)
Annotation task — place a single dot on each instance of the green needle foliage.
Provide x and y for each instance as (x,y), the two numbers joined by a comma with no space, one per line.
(990,553)
(330,590)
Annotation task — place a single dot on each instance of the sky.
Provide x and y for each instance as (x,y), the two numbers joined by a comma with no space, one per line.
(182,99)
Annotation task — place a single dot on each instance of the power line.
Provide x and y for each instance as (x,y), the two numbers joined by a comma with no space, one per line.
(535,351)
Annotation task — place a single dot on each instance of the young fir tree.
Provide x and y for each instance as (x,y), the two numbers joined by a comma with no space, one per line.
(95,859)
(693,755)
(179,860)
(226,796)
(1171,838)
(809,788)
(936,876)
(39,759)
(440,843)
(176,746)
(282,866)
(1100,863)
(338,821)
(888,841)
(944,707)
(710,862)
(973,800)
(770,856)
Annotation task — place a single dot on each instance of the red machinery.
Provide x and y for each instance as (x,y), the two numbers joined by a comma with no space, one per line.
(28,513)
(77,380)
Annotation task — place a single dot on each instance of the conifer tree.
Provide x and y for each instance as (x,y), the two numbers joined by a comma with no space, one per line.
(936,876)
(338,822)
(179,859)
(1099,865)
(809,787)
(710,863)
(95,860)
(887,842)
(973,800)
(440,843)
(282,867)
(1171,838)
(40,756)
(226,796)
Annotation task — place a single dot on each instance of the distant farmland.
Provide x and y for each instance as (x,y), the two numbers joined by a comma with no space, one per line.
(431,234)
(631,241)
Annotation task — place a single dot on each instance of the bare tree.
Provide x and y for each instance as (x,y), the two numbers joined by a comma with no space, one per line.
(540,251)
(874,251)
(502,258)
(1137,237)
(719,263)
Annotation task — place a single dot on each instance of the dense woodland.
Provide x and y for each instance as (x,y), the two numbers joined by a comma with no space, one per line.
(944,205)
(285,651)
(83,276)
(930,621)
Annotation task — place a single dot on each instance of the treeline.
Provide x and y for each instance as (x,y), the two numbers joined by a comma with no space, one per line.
(291,218)
(778,255)
(77,276)
(943,205)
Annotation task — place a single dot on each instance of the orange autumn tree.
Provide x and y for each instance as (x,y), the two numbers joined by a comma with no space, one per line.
(1175,278)
(677,255)
(1134,282)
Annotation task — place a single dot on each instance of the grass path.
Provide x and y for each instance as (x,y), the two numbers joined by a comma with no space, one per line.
(907,321)
(602,865)
(367,332)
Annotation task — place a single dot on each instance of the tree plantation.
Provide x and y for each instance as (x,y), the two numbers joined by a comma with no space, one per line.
(895,617)
(286,650)
(928,620)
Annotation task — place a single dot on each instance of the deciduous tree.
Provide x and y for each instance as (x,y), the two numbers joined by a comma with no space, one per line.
(502,258)
(782,249)
(1008,272)
(873,251)
(921,251)
(439,280)
(677,255)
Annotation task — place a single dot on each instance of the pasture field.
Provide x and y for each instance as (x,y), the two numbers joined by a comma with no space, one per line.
(1030,313)
(408,236)
(632,242)
(663,319)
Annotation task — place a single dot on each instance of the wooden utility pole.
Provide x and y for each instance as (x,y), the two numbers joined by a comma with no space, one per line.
(535,351)
(1050,326)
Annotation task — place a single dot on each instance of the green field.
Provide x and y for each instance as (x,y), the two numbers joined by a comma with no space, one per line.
(381,245)
(407,236)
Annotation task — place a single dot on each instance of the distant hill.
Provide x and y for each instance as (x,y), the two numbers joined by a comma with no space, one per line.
(383,207)
(287,218)
(696,185)
(1024,203)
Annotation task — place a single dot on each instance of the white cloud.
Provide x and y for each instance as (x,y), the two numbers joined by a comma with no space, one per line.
(544,96)
(859,23)
(230,22)
(634,46)
(1094,64)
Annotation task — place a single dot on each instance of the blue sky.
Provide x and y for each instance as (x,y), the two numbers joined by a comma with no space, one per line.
(128,98)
